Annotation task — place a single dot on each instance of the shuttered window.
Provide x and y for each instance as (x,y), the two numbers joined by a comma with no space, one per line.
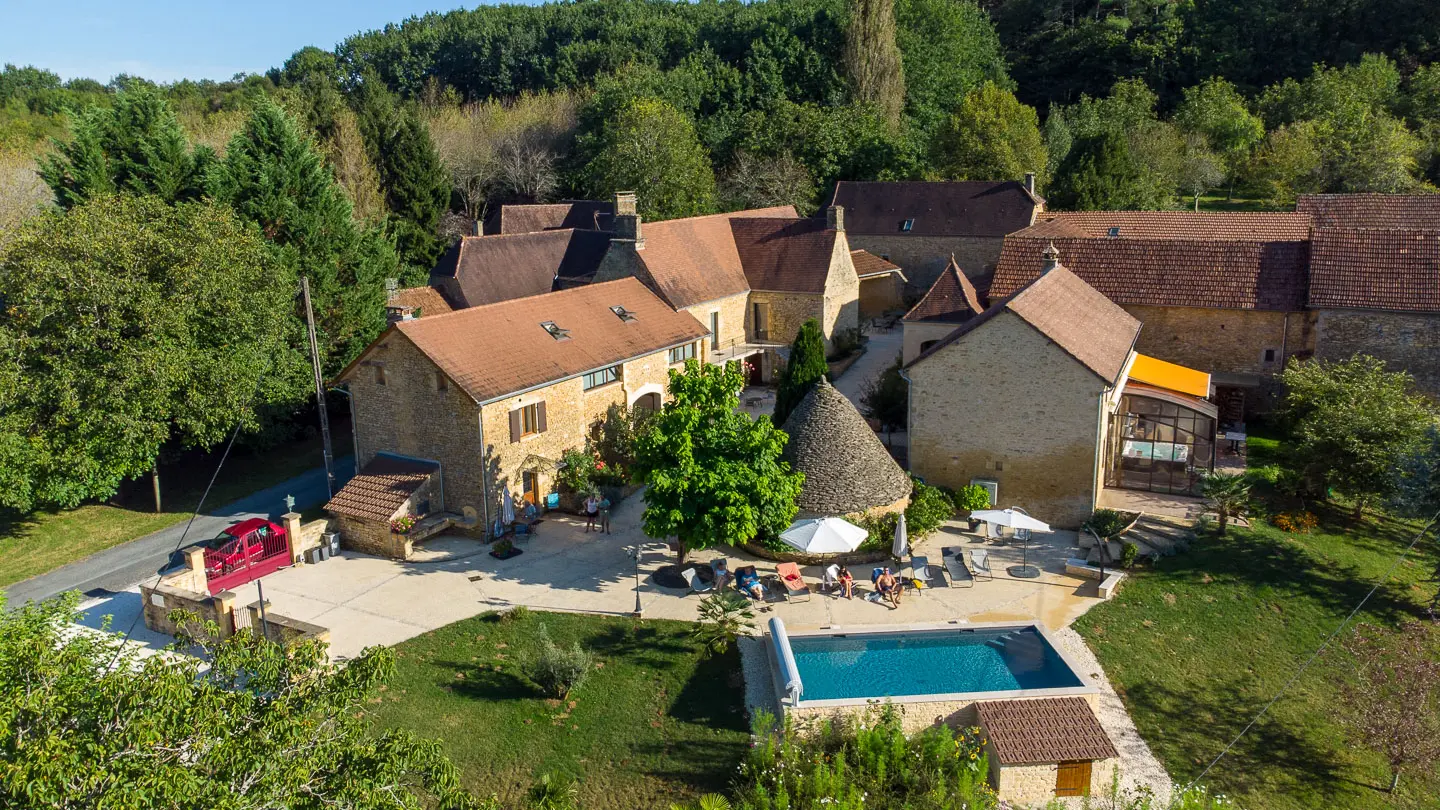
(527,421)
(1072,779)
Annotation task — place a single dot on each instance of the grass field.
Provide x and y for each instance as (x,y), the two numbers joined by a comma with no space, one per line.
(1219,202)
(1199,643)
(42,541)
(653,723)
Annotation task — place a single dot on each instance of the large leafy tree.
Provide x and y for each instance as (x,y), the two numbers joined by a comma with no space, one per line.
(949,49)
(276,178)
(872,58)
(650,147)
(133,147)
(1352,423)
(1098,174)
(713,475)
(803,370)
(1215,110)
(262,726)
(992,136)
(130,323)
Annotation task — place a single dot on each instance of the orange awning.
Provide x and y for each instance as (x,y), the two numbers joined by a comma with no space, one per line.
(1161,374)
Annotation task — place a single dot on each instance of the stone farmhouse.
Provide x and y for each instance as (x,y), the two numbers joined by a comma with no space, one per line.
(921,226)
(492,396)
(1043,399)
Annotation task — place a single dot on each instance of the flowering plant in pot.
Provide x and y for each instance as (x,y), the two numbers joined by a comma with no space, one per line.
(403,524)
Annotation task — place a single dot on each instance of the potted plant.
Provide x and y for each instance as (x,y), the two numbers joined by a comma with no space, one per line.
(504,549)
(403,524)
(972,498)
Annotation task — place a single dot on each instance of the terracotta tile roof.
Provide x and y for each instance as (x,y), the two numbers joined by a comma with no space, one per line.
(868,264)
(1035,732)
(1077,317)
(937,209)
(784,254)
(496,350)
(951,299)
(1226,274)
(583,214)
(694,260)
(480,270)
(1372,210)
(378,491)
(1244,225)
(427,300)
(1351,268)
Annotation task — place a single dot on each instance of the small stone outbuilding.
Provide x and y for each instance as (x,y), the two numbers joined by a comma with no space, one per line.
(388,488)
(847,470)
(1042,749)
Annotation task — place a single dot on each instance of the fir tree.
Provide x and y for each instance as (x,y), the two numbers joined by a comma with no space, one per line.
(277,179)
(417,187)
(1099,174)
(805,368)
(135,147)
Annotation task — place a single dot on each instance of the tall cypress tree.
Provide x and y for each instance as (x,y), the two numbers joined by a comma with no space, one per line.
(277,179)
(1098,174)
(135,147)
(872,58)
(805,368)
(417,187)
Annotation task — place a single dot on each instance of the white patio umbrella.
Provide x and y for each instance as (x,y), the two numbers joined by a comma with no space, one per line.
(1016,519)
(507,508)
(829,535)
(1012,518)
(902,543)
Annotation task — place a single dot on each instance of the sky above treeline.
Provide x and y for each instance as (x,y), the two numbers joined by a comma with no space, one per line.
(167,40)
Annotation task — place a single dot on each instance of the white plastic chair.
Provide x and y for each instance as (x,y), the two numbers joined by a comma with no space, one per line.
(696,585)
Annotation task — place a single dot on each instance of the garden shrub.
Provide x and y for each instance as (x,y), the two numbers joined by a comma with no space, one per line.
(577,472)
(1295,522)
(929,508)
(846,342)
(724,615)
(1128,553)
(555,669)
(972,498)
(848,765)
(1107,523)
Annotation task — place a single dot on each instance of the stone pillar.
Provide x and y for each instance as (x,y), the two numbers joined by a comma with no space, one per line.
(224,603)
(835,218)
(292,534)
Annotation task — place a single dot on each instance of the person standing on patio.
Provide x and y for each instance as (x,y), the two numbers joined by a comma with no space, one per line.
(605,515)
(592,510)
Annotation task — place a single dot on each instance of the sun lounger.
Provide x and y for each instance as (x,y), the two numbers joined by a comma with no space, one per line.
(789,574)
(955,567)
(980,563)
(921,575)
(696,585)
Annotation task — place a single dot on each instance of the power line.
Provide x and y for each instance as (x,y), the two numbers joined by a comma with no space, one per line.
(1399,558)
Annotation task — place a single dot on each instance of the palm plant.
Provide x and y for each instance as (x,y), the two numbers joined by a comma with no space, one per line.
(710,801)
(1227,493)
(724,615)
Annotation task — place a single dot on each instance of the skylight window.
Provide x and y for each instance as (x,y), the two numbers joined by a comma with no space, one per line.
(555,331)
(907,225)
(623,314)
(1114,231)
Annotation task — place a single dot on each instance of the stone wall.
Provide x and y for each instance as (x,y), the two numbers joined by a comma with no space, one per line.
(881,294)
(1035,431)
(1405,341)
(1223,341)
(923,257)
(735,322)
(1034,785)
(915,333)
(411,416)
(176,592)
(283,629)
(372,537)
(788,311)
(915,715)
(842,291)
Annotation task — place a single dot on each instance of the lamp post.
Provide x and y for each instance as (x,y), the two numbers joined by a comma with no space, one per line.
(636,554)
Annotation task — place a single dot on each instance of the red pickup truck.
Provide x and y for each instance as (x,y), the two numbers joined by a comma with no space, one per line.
(250,540)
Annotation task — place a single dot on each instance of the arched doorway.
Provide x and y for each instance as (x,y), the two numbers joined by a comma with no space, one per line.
(647,403)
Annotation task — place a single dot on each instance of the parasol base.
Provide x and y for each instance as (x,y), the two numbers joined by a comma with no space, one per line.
(1023,571)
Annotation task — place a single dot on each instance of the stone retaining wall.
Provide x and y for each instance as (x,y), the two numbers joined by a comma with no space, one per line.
(170,594)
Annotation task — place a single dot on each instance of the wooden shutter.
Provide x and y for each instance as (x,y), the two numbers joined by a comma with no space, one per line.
(1072,779)
(515,426)
(540,416)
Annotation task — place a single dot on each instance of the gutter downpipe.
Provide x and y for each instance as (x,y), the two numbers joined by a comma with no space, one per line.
(484,474)
(909,417)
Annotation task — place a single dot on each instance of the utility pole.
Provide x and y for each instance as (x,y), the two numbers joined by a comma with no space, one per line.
(319,389)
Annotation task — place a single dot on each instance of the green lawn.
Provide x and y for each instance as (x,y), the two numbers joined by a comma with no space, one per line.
(45,540)
(652,724)
(1219,202)
(1198,644)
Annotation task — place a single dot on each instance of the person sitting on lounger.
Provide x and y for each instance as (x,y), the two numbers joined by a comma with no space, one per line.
(847,582)
(747,581)
(889,588)
(722,575)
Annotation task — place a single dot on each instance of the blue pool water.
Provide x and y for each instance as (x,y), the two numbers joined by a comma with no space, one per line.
(877,665)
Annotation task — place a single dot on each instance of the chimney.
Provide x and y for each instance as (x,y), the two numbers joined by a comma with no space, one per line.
(1052,259)
(627,221)
(391,285)
(835,218)
(1030,182)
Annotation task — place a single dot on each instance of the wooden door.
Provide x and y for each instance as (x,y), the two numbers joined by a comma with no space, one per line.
(1072,779)
(531,482)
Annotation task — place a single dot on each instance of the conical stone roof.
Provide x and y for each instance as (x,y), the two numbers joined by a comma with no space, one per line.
(846,467)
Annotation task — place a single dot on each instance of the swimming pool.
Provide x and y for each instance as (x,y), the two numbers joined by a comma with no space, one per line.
(925,663)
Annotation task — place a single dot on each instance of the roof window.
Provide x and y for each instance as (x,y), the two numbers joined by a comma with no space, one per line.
(555,331)
(1114,231)
(907,225)
(623,314)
